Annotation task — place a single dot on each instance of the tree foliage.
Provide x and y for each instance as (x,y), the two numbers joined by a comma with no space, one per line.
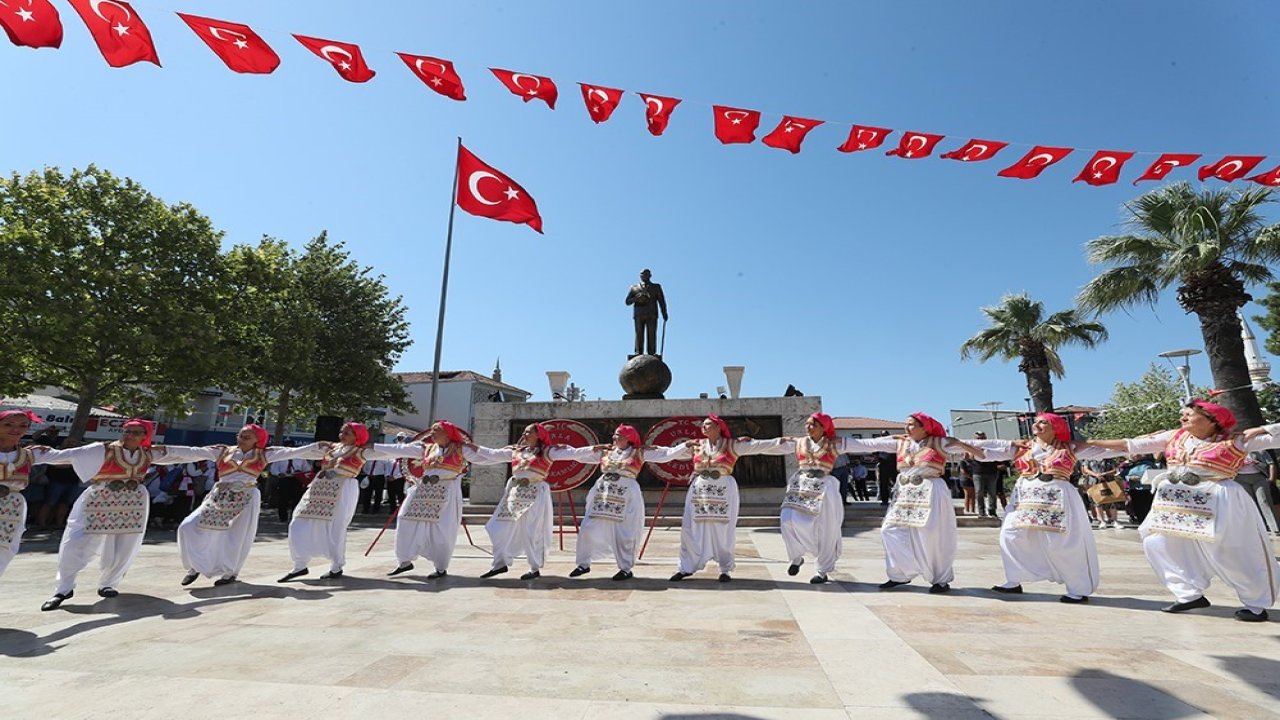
(1149,405)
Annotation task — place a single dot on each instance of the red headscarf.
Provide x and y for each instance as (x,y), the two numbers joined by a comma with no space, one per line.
(1222,416)
(34,418)
(360,431)
(828,425)
(724,426)
(544,435)
(261,433)
(148,428)
(631,434)
(1061,430)
(932,427)
(453,431)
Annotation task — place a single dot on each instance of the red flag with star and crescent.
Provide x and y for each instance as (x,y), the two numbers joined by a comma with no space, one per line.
(31,23)
(975,150)
(1034,162)
(528,87)
(485,191)
(437,74)
(914,145)
(735,125)
(601,101)
(345,58)
(657,112)
(864,137)
(790,133)
(1166,163)
(237,45)
(1231,167)
(1270,178)
(1104,168)
(122,37)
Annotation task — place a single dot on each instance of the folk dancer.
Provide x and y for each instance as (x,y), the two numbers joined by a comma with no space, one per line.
(15,472)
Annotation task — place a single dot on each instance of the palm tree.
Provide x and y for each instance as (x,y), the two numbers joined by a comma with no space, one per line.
(1212,244)
(1020,330)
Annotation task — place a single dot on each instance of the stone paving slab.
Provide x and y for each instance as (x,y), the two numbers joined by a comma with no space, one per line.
(763,646)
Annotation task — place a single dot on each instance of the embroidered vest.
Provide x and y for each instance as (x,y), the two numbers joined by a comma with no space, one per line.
(630,466)
(451,460)
(1220,458)
(253,463)
(822,459)
(537,465)
(116,467)
(930,455)
(1059,462)
(19,471)
(347,466)
(722,461)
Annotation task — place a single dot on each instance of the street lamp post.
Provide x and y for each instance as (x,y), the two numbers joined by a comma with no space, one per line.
(993,406)
(1183,370)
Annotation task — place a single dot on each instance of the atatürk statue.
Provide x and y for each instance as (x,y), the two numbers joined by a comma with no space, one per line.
(647,299)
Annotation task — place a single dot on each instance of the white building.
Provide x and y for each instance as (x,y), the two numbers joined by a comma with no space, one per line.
(460,391)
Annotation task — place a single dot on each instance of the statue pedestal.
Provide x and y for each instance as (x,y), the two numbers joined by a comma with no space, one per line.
(644,377)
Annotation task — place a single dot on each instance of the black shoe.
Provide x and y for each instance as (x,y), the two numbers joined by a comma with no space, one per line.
(1200,602)
(494,571)
(818,579)
(293,574)
(1073,600)
(579,571)
(189,578)
(623,575)
(225,580)
(402,569)
(531,575)
(331,575)
(939,588)
(1015,590)
(108,592)
(57,600)
(1246,615)
(437,575)
(724,577)
(888,584)
(679,576)
(794,569)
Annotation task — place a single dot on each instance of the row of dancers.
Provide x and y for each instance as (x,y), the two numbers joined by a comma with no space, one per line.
(1202,524)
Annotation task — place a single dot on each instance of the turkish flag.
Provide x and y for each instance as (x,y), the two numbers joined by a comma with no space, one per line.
(601,101)
(735,125)
(236,45)
(345,58)
(1166,163)
(438,74)
(1034,162)
(657,112)
(790,133)
(1231,167)
(483,190)
(914,145)
(528,87)
(1104,168)
(1271,178)
(864,137)
(975,150)
(122,37)
(31,23)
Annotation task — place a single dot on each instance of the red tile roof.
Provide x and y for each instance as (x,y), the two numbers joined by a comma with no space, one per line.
(414,378)
(866,423)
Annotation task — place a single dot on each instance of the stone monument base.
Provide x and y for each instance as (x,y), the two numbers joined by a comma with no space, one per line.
(644,377)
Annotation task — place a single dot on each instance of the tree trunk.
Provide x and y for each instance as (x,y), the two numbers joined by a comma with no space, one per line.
(1035,365)
(1224,345)
(87,394)
(282,416)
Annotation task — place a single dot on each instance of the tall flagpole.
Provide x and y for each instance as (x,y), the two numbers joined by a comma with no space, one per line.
(444,290)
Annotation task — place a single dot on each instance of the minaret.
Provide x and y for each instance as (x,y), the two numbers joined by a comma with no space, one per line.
(1259,369)
(497,370)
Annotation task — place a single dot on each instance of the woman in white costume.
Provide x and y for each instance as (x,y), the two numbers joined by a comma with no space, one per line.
(711,503)
(919,528)
(521,524)
(431,514)
(319,525)
(110,517)
(1046,533)
(614,519)
(1202,523)
(15,473)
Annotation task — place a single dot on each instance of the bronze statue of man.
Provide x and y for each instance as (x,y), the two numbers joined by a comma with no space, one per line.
(647,300)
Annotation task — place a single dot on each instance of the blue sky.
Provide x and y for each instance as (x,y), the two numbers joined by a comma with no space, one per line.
(854,277)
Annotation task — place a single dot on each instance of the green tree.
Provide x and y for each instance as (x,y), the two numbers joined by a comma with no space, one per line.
(1019,329)
(1211,244)
(108,291)
(324,337)
(1149,405)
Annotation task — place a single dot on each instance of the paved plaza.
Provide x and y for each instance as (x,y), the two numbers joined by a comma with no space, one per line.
(763,646)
